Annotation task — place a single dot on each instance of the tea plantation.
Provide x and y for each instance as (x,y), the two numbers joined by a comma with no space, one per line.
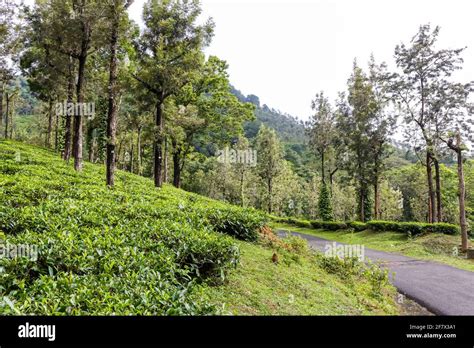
(134,249)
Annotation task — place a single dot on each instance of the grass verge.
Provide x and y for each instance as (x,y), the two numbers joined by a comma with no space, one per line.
(298,285)
(434,247)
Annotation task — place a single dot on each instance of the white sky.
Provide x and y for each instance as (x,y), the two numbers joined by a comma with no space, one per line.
(286,51)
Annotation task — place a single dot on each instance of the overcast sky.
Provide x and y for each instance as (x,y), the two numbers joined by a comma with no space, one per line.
(285,51)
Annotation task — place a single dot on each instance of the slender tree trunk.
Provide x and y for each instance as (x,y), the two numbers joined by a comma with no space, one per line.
(176,168)
(331,177)
(376,198)
(323,177)
(462,195)
(50,123)
(131,156)
(270,193)
(139,151)
(12,117)
(165,164)
(438,190)
(56,132)
(68,123)
(112,109)
(77,124)
(158,146)
(431,192)
(242,182)
(362,204)
(1,106)
(7,115)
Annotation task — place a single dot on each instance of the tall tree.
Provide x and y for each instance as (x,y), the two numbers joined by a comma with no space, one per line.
(356,119)
(206,112)
(8,48)
(454,112)
(117,14)
(382,126)
(76,29)
(322,129)
(424,75)
(269,160)
(169,53)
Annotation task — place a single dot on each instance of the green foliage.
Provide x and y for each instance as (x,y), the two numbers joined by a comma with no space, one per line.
(242,224)
(413,228)
(329,225)
(357,225)
(128,250)
(409,228)
(324,203)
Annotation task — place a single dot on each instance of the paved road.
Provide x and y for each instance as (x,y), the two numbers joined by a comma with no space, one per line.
(442,289)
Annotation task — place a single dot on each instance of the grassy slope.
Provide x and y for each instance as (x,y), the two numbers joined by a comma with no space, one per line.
(296,287)
(435,247)
(132,250)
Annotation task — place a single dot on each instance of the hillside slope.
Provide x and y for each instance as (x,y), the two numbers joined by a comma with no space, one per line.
(138,250)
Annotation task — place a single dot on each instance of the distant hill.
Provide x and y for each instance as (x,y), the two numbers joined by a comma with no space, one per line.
(288,128)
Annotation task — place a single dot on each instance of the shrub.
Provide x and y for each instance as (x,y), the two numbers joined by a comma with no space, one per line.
(243,224)
(357,225)
(303,223)
(329,225)
(413,228)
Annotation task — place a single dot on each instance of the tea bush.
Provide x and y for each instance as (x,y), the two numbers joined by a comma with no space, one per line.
(132,249)
(409,228)
(329,225)
(413,228)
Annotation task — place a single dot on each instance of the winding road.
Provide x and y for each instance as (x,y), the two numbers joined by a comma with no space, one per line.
(442,289)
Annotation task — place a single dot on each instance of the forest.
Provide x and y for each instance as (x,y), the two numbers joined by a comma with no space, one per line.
(94,109)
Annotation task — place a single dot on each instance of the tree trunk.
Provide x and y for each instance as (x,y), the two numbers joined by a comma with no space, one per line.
(376,198)
(1,106)
(462,196)
(56,132)
(176,168)
(68,123)
(242,182)
(139,151)
(131,157)
(323,177)
(50,123)
(165,164)
(270,200)
(331,176)
(77,124)
(7,115)
(362,204)
(431,192)
(158,145)
(12,117)
(112,109)
(438,190)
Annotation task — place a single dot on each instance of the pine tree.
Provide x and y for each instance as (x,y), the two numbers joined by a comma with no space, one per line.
(324,203)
